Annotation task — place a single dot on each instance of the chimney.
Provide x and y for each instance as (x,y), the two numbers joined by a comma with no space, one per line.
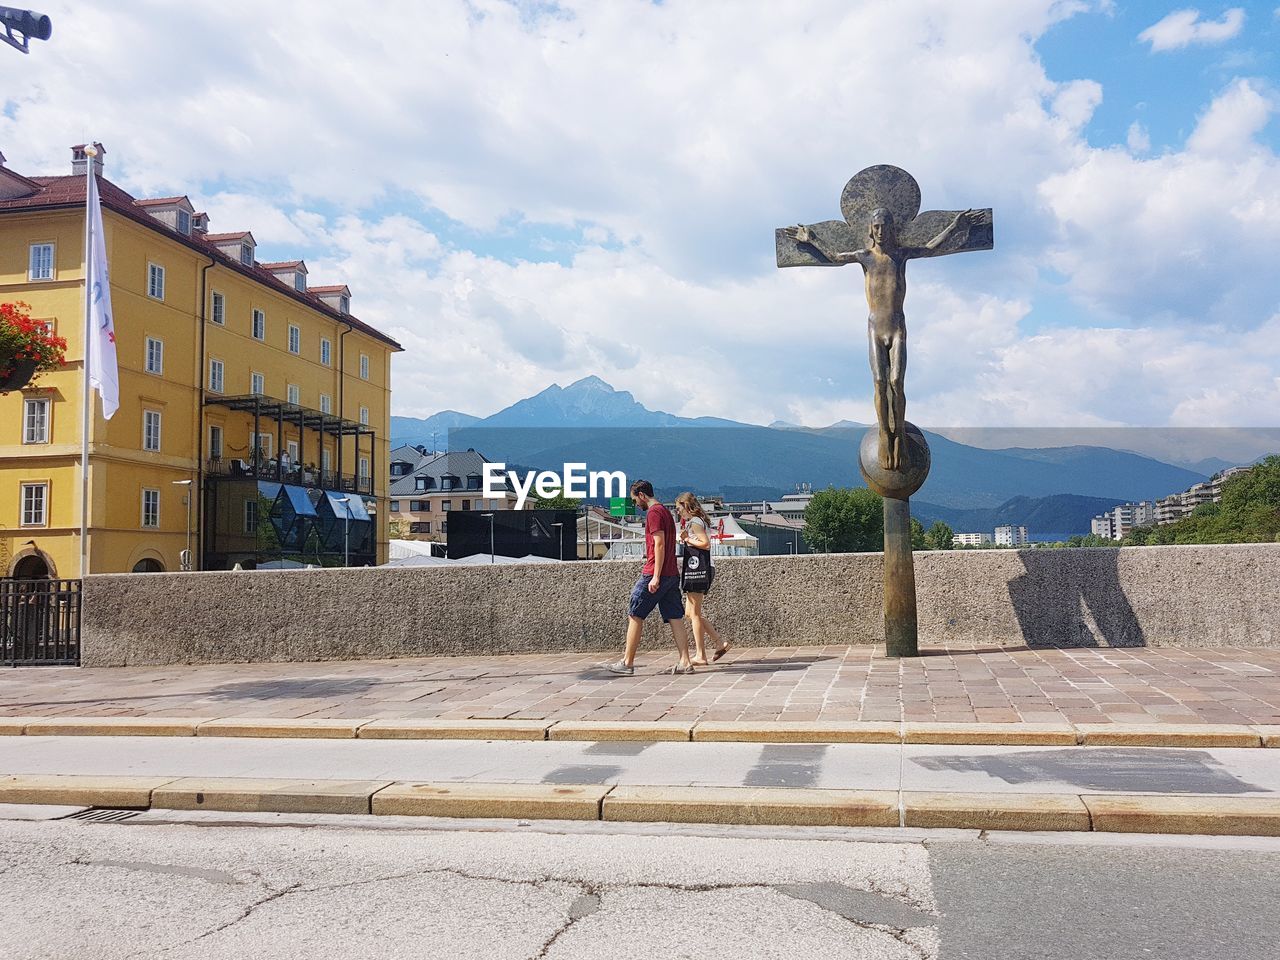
(78,159)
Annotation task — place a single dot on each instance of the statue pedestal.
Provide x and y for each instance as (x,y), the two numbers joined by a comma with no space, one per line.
(896,486)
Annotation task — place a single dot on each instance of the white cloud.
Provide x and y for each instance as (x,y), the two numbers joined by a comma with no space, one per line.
(1138,139)
(668,140)
(1182,28)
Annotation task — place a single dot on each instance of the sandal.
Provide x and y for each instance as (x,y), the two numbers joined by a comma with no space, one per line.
(678,670)
(721,652)
(698,663)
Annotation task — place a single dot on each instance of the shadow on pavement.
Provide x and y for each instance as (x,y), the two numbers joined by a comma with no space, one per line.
(1140,769)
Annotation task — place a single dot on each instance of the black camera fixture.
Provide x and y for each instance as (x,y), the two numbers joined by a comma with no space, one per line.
(20,26)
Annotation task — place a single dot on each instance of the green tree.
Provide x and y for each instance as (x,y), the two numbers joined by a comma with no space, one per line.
(939,536)
(1249,512)
(844,520)
(919,539)
(557,501)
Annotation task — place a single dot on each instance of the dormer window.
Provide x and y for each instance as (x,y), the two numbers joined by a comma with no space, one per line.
(300,282)
(421,483)
(174,212)
(344,305)
(246,254)
(184,222)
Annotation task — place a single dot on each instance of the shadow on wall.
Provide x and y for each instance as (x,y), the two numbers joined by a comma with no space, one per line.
(1073,598)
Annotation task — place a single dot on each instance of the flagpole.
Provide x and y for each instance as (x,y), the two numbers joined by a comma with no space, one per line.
(86,402)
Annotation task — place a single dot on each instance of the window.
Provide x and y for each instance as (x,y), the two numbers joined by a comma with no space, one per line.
(151,508)
(423,527)
(246,254)
(293,394)
(251,516)
(257,384)
(36,420)
(218,312)
(295,339)
(155,281)
(155,355)
(326,460)
(395,506)
(364,468)
(292,446)
(444,505)
(259,325)
(420,483)
(344,304)
(300,282)
(215,442)
(151,430)
(215,375)
(466,504)
(326,405)
(364,415)
(35,497)
(260,442)
(326,351)
(364,366)
(184,221)
(473,481)
(419,506)
(41,264)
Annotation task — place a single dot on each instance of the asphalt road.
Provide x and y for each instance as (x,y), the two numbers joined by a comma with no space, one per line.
(169,885)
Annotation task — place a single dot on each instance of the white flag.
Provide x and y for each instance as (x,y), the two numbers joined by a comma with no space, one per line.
(101,366)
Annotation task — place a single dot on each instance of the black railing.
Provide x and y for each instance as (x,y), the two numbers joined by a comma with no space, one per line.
(39,622)
(283,472)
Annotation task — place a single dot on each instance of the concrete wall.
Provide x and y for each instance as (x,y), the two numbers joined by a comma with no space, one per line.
(1153,596)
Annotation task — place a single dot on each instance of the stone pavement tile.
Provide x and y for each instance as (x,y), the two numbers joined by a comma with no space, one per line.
(995,811)
(1205,815)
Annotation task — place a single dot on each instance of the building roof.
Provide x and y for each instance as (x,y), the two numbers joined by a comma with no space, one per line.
(160,201)
(282,265)
(331,288)
(456,463)
(59,193)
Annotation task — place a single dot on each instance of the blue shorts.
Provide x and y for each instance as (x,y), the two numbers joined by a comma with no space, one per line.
(667,599)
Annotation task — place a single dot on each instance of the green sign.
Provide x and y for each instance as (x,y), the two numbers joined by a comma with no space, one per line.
(621,507)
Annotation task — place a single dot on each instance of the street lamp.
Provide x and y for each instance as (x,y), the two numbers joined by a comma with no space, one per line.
(490,516)
(186,554)
(560,537)
(346,530)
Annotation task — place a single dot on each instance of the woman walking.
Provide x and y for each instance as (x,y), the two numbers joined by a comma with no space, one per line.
(697,575)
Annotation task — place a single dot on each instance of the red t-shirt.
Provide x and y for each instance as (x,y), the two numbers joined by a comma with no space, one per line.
(657,519)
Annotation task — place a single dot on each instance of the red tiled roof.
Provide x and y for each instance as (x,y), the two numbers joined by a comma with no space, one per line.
(215,237)
(161,201)
(283,264)
(332,288)
(69,192)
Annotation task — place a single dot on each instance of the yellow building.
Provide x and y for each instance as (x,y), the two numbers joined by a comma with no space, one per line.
(237,378)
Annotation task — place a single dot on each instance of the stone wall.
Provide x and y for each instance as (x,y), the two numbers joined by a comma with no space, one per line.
(1146,596)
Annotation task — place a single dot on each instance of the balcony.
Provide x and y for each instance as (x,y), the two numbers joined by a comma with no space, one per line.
(266,411)
(266,468)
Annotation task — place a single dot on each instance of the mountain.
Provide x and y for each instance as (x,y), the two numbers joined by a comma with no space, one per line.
(414,431)
(1055,517)
(590,422)
(590,402)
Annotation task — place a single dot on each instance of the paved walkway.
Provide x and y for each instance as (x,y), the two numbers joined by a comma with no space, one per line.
(833,683)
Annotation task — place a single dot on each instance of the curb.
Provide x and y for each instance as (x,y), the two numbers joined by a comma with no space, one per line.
(722,731)
(1208,814)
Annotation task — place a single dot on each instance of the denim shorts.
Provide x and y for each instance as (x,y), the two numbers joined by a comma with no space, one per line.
(667,599)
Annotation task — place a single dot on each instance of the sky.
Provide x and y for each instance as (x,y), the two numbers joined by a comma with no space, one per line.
(525,193)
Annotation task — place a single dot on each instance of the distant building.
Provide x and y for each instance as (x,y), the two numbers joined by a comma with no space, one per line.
(426,487)
(1010,535)
(970,539)
(1120,520)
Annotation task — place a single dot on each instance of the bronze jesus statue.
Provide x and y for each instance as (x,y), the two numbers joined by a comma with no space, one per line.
(880,206)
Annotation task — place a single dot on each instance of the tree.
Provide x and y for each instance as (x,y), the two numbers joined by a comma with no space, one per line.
(1249,512)
(919,539)
(939,536)
(844,520)
(556,502)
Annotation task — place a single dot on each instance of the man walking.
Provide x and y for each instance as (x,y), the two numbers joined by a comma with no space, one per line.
(658,586)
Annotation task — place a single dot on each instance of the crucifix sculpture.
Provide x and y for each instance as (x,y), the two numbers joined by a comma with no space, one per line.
(882,229)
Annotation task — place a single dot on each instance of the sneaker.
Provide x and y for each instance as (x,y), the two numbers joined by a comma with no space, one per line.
(619,668)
